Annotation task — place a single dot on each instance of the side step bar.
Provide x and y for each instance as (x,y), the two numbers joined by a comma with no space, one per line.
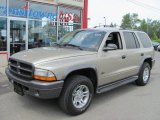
(114,85)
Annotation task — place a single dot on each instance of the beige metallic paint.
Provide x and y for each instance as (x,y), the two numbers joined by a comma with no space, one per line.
(109,65)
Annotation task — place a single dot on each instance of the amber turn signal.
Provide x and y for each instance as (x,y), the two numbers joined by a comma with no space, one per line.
(42,78)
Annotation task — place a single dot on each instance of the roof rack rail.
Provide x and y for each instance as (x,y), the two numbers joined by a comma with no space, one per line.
(106,27)
(113,28)
(129,29)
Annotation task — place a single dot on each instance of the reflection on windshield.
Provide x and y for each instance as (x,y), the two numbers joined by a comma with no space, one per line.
(86,39)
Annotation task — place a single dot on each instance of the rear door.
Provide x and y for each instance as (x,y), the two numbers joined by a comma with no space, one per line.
(134,54)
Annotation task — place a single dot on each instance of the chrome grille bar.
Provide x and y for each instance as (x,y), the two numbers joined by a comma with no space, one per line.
(21,68)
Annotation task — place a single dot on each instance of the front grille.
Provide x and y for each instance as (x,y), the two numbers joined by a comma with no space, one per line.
(21,69)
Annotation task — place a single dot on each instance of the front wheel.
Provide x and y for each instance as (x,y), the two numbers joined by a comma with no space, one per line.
(144,75)
(77,95)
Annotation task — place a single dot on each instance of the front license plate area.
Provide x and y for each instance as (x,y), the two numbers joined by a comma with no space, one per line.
(18,89)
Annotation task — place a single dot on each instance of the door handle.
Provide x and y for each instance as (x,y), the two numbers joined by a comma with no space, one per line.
(123,57)
(142,54)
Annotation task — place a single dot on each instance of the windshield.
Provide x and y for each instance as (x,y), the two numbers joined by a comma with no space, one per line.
(84,39)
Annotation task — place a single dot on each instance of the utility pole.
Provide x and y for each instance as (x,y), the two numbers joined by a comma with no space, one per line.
(147,27)
(105,21)
(88,19)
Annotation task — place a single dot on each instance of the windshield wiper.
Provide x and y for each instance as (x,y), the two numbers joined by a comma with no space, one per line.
(73,46)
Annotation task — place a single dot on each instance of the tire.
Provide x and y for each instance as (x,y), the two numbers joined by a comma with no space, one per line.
(74,87)
(144,75)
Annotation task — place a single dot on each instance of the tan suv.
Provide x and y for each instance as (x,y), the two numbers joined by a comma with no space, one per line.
(82,63)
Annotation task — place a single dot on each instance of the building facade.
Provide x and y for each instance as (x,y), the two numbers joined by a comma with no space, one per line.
(27,24)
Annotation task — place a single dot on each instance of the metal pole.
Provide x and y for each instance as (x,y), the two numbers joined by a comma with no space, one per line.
(147,27)
(88,19)
(27,23)
(8,30)
(58,22)
(105,21)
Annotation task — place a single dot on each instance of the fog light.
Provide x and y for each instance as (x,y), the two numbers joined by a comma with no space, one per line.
(36,93)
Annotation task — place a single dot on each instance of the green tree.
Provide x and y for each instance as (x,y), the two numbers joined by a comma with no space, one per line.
(152,27)
(115,25)
(111,25)
(143,25)
(126,21)
(135,21)
(154,36)
(130,21)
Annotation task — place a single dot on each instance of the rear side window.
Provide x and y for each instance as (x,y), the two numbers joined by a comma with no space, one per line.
(131,40)
(145,40)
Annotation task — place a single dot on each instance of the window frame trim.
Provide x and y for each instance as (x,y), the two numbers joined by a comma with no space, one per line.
(120,36)
(136,39)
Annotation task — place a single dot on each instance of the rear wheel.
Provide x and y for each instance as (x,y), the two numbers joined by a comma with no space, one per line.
(144,75)
(76,95)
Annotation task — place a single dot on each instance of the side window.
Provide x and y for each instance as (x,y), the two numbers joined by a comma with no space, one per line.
(114,38)
(145,40)
(131,40)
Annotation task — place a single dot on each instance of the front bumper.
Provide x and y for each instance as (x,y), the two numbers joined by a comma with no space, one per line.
(39,89)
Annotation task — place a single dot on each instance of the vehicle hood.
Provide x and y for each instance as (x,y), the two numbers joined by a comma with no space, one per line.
(39,55)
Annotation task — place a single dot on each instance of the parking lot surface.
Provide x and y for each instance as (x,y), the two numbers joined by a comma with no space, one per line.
(129,102)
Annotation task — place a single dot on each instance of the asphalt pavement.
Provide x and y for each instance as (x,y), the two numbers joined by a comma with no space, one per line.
(129,102)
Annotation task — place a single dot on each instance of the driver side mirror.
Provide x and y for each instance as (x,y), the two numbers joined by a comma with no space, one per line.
(110,46)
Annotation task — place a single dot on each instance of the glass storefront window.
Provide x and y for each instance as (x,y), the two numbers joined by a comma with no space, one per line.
(69,15)
(41,21)
(3,8)
(76,26)
(17,36)
(3,34)
(43,12)
(18,8)
(69,20)
(64,29)
(41,33)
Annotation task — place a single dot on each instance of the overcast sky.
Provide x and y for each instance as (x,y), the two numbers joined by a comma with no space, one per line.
(113,10)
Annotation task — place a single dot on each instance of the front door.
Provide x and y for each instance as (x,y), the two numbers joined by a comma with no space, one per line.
(17,35)
(112,62)
(112,66)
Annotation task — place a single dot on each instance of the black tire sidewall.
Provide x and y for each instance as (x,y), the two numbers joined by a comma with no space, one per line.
(72,84)
(140,80)
(81,110)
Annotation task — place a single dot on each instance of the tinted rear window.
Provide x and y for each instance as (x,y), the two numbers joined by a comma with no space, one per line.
(145,40)
(130,40)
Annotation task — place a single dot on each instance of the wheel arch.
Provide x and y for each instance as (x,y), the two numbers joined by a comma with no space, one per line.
(149,61)
(89,72)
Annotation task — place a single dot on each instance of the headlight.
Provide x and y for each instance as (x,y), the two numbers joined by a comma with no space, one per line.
(44,75)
